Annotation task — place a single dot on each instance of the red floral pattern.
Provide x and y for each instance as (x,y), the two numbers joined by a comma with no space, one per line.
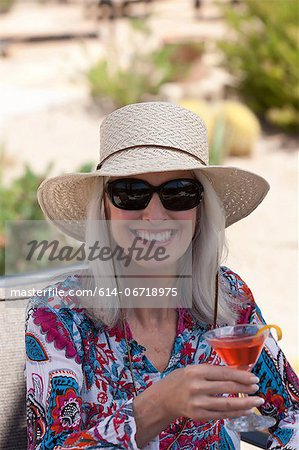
(67,413)
(55,331)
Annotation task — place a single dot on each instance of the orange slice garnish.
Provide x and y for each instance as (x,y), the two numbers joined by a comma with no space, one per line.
(268,327)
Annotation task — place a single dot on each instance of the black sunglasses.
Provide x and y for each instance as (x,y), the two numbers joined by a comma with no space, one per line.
(132,194)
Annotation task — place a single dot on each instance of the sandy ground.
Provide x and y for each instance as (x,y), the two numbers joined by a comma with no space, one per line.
(46,115)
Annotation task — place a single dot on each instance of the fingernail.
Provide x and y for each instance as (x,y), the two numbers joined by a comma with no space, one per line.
(254,379)
(259,401)
(255,387)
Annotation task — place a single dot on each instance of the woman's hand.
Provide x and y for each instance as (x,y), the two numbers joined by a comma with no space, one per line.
(195,392)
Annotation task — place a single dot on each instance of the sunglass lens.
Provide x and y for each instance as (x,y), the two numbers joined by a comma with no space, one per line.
(180,195)
(175,195)
(130,195)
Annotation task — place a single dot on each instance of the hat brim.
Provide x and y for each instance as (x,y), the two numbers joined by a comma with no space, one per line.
(64,199)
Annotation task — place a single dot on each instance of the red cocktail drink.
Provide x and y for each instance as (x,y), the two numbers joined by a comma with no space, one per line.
(239,347)
(239,352)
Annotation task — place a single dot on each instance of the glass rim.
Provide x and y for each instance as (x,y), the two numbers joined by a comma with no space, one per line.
(211,334)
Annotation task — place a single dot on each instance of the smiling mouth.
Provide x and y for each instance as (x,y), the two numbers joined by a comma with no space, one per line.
(159,236)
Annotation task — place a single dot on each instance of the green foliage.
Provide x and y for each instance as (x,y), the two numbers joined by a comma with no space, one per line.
(174,60)
(86,167)
(263,55)
(140,25)
(217,151)
(19,199)
(19,202)
(140,78)
(122,86)
(6,5)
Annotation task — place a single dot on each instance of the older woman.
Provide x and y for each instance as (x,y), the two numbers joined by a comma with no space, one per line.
(130,367)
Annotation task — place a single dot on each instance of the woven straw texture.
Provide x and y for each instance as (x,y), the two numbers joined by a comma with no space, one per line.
(142,138)
(154,123)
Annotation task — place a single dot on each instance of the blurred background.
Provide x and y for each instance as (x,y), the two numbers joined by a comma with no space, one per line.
(65,64)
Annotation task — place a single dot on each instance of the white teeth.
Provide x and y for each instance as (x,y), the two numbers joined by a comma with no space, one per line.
(159,237)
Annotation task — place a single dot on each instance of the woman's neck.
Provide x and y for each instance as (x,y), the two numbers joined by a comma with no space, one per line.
(150,318)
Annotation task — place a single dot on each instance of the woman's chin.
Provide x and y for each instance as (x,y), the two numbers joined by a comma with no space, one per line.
(153,267)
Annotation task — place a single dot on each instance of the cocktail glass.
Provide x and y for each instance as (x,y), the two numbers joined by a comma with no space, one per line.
(239,347)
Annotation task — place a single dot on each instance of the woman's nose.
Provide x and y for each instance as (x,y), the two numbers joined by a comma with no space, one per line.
(155,210)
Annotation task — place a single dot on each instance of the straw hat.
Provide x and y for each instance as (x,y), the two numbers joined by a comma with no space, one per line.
(142,138)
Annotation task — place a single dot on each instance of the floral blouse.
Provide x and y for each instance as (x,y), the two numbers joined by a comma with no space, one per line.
(80,390)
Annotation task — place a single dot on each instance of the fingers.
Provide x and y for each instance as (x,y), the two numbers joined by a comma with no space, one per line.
(213,408)
(225,387)
(213,415)
(223,373)
(206,384)
(228,404)
(214,373)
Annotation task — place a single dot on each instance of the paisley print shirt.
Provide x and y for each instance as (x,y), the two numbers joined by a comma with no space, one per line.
(80,390)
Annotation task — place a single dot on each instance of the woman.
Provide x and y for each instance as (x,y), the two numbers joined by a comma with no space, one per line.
(130,368)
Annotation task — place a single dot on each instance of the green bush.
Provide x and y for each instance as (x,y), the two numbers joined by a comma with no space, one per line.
(141,78)
(174,60)
(263,55)
(6,5)
(121,86)
(19,202)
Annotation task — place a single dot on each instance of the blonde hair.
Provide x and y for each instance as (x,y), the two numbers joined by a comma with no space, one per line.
(208,247)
